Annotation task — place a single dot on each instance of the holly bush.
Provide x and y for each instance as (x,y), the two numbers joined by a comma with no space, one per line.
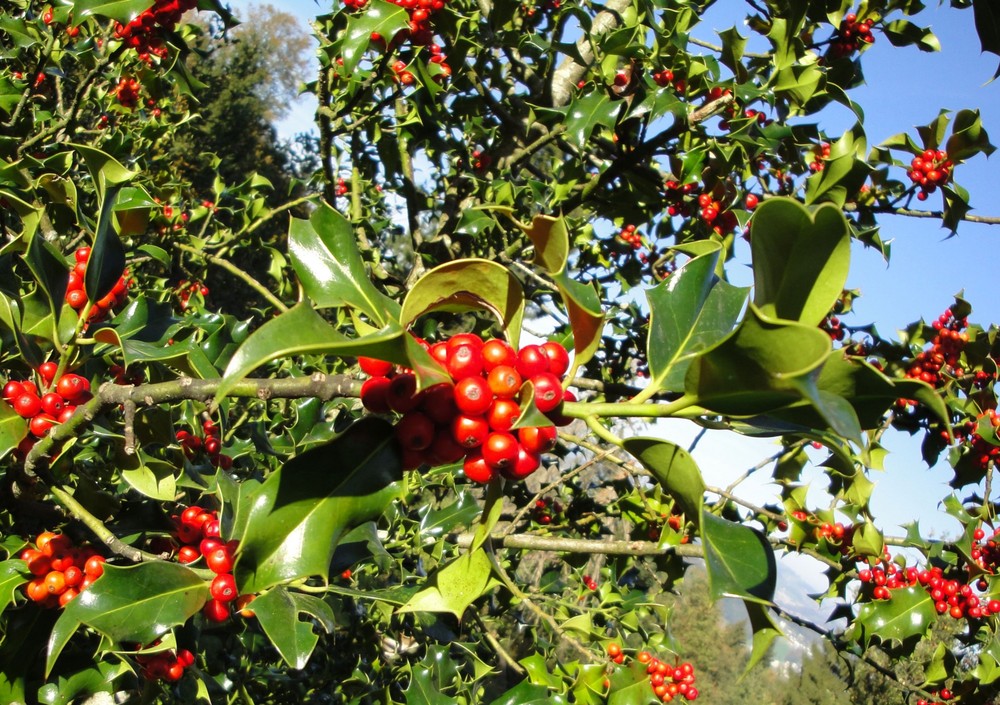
(407,453)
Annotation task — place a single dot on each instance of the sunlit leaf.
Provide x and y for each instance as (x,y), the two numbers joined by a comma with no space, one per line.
(279,613)
(739,560)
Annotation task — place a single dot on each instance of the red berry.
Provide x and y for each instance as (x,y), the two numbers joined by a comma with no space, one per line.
(498,352)
(41,424)
(52,403)
(188,554)
(375,395)
(477,470)
(216,611)
(525,464)
(464,361)
(558,358)
(500,450)
(12,390)
(438,402)
(47,371)
(548,391)
(401,393)
(537,439)
(473,396)
(504,381)
(502,414)
(415,431)
(374,367)
(470,431)
(219,560)
(27,405)
(71,387)
(532,360)
(223,588)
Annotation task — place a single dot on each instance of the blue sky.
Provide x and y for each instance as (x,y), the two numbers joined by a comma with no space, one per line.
(904,88)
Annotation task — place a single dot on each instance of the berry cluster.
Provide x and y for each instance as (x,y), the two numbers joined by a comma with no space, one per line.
(127,92)
(929,170)
(198,531)
(944,354)
(420,33)
(675,192)
(473,417)
(668,682)
(666,77)
(545,510)
(60,569)
(820,152)
(185,290)
(630,236)
(981,451)
(45,409)
(952,597)
(165,665)
(851,36)
(211,443)
(944,694)
(146,31)
(833,327)
(589,582)
(76,296)
(714,214)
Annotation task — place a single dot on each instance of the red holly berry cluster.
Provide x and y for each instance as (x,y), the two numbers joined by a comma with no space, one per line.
(668,682)
(589,582)
(666,77)
(341,188)
(127,92)
(943,355)
(929,170)
(419,33)
(675,192)
(185,290)
(473,416)
(833,327)
(165,665)
(713,213)
(953,597)
(631,236)
(981,451)
(76,296)
(146,31)
(851,36)
(820,152)
(48,403)
(211,443)
(198,531)
(944,694)
(60,569)
(545,510)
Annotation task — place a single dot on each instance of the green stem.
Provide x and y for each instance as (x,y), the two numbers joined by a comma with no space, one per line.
(238,273)
(97,527)
(584,410)
(594,424)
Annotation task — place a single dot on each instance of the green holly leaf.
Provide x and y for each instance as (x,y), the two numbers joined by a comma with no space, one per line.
(800,259)
(295,519)
(423,691)
(968,137)
(13,429)
(906,616)
(105,169)
(903,33)
(766,365)
(528,693)
(454,587)
(301,330)
(121,10)
(690,312)
(765,630)
(99,678)
(324,253)
(49,270)
(987,18)
(583,305)
(675,470)
(107,255)
(379,16)
(468,284)
(132,604)
(630,686)
(587,112)
(13,574)
(279,612)
(739,560)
